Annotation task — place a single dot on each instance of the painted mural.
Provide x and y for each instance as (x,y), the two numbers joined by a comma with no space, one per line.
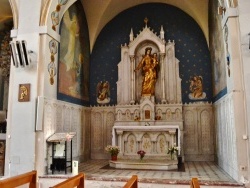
(74,56)
(218,57)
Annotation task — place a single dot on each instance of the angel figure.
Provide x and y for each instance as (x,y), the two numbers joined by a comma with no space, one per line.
(196,87)
(73,28)
(103,92)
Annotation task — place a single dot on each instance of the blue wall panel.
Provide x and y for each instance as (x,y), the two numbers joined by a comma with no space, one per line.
(191,46)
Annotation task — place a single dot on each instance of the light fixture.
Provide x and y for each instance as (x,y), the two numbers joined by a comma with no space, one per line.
(20,54)
(13,54)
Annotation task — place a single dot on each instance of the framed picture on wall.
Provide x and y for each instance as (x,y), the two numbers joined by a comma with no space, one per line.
(24,93)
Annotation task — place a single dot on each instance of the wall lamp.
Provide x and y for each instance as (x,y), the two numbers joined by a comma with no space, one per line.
(20,54)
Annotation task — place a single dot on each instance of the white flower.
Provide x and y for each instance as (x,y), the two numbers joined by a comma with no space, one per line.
(173,149)
(113,150)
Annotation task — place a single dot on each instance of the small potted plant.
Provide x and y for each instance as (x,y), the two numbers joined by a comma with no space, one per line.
(113,150)
(141,153)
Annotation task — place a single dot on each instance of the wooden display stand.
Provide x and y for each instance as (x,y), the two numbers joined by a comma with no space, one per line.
(61,157)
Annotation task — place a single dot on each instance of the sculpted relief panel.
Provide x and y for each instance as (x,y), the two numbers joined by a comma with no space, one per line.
(190,143)
(102,122)
(97,131)
(59,119)
(154,143)
(198,127)
(130,144)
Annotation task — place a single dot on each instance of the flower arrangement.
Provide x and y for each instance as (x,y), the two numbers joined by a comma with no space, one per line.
(172,150)
(113,150)
(141,153)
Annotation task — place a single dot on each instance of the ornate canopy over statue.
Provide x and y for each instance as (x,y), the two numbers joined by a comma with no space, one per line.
(156,72)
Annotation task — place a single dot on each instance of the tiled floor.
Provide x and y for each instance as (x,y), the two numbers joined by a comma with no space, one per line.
(208,173)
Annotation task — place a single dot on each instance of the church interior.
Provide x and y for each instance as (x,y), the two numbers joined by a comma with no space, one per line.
(153,88)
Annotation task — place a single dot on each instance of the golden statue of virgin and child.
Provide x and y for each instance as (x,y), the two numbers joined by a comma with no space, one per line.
(149,66)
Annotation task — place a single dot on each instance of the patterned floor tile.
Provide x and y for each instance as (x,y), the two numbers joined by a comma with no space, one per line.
(207,172)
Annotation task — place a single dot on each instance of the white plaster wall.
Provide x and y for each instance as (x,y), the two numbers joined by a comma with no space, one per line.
(231,114)
(20,145)
(244,29)
(25,147)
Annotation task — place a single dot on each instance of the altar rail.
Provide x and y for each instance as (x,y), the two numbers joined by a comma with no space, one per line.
(132,182)
(29,177)
(76,181)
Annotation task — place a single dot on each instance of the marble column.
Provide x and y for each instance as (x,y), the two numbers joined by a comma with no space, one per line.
(120,143)
(163,100)
(132,63)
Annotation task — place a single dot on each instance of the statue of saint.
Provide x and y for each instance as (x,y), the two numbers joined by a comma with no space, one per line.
(149,67)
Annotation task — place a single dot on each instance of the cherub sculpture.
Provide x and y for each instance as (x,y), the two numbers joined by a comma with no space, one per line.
(103,92)
(196,87)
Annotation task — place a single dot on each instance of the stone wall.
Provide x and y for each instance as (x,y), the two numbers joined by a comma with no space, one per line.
(64,117)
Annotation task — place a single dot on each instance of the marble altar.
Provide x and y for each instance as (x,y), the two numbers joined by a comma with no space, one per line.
(150,121)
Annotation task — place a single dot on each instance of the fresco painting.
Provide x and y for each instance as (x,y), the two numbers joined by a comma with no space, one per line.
(74,59)
(218,56)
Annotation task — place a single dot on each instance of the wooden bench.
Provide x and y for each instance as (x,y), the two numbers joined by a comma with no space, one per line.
(132,182)
(75,181)
(194,183)
(15,181)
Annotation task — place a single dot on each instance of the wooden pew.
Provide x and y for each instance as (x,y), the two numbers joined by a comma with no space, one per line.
(75,181)
(132,182)
(15,181)
(194,183)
